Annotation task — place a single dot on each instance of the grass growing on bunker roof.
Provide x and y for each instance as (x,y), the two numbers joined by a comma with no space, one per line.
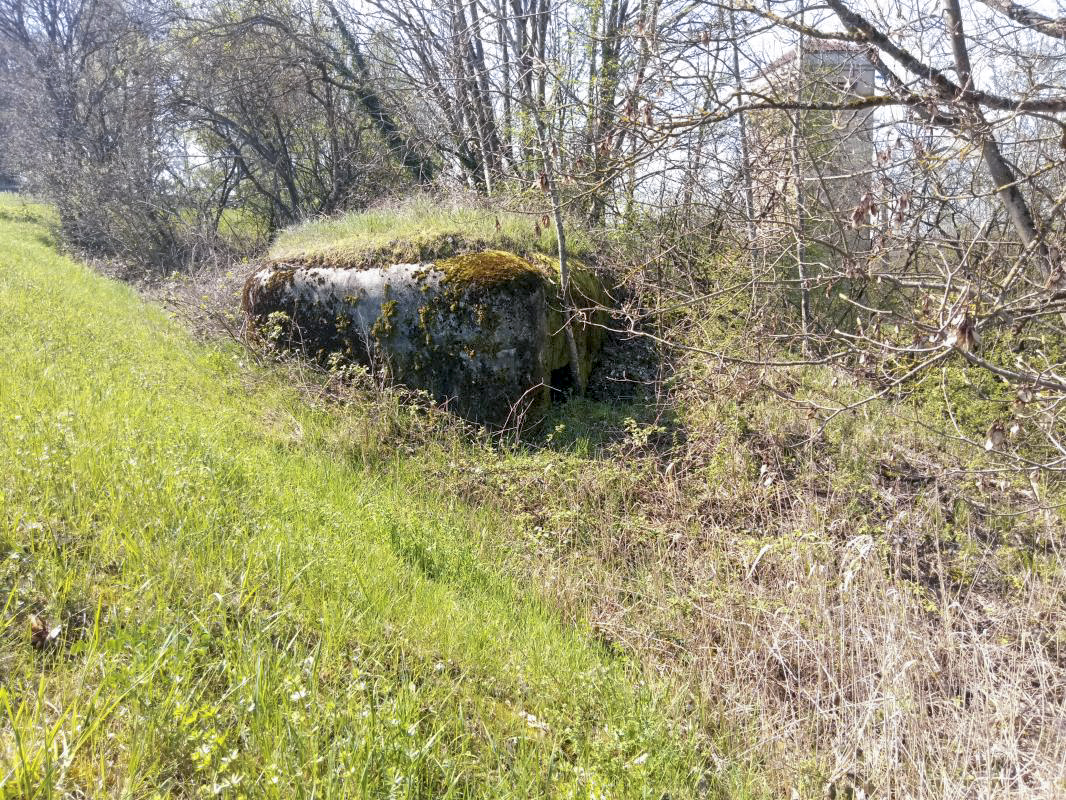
(201,597)
(421,229)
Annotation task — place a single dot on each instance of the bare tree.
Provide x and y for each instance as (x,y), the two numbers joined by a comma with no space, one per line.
(89,110)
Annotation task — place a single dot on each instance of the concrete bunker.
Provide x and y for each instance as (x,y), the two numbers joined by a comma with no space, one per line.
(481,332)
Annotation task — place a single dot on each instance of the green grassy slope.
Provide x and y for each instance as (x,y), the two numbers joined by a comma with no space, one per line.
(244,614)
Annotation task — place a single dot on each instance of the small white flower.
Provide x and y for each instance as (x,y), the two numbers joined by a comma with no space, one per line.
(636,762)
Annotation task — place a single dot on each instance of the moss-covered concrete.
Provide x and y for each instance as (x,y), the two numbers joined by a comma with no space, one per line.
(481,332)
(487,268)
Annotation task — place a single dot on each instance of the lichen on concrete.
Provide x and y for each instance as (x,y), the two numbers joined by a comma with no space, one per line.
(481,332)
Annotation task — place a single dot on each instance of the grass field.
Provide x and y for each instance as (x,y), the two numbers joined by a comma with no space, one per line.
(222,579)
(199,596)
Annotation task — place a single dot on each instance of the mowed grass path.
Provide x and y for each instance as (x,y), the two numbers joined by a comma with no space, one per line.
(242,612)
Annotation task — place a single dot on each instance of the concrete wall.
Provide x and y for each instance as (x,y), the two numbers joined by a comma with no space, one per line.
(836,152)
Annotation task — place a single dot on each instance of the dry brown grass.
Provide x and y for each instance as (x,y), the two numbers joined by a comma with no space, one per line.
(863,613)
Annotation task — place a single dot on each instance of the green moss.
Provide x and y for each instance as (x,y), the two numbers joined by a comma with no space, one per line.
(383,327)
(487,268)
(585,288)
(586,292)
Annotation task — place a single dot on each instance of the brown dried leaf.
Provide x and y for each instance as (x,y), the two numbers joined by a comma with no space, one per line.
(41,633)
(995,437)
(963,333)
